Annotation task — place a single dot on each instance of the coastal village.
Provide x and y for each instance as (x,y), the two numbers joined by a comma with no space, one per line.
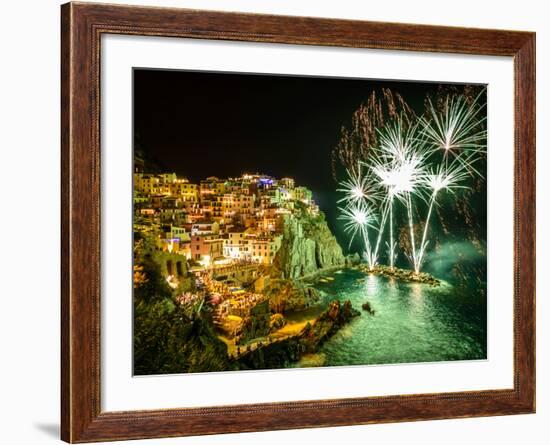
(218,222)
(242,246)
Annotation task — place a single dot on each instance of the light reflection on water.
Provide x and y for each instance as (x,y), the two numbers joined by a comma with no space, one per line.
(413,322)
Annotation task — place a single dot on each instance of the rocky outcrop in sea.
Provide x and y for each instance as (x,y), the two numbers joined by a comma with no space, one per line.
(404,275)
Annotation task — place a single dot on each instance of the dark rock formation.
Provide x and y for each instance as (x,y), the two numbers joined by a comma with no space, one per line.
(276,322)
(256,324)
(407,276)
(353,259)
(328,323)
(367,308)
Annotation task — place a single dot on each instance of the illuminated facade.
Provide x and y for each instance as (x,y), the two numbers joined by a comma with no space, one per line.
(206,248)
(233,220)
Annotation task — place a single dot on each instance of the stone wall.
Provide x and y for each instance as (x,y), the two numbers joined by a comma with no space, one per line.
(176,265)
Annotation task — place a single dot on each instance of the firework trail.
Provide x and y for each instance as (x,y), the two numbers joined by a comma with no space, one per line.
(357,139)
(400,168)
(357,220)
(442,178)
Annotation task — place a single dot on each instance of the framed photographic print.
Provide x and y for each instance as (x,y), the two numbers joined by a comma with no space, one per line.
(276,222)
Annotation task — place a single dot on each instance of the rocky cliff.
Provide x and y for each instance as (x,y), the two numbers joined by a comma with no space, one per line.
(308,246)
(286,295)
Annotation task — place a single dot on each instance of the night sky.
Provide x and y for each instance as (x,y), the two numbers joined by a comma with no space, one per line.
(201,124)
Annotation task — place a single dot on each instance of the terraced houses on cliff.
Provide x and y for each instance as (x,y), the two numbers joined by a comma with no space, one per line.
(218,221)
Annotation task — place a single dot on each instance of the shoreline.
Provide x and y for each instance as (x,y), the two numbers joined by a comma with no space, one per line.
(297,320)
(315,275)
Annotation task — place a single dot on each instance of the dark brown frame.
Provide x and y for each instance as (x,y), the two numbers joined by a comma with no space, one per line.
(82,25)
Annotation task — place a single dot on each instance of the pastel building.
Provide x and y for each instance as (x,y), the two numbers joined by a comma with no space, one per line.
(232,204)
(236,243)
(264,248)
(287,183)
(205,227)
(211,186)
(302,194)
(218,220)
(176,240)
(206,248)
(146,183)
(185,190)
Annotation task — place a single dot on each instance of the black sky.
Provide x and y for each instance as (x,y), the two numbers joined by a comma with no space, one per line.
(201,124)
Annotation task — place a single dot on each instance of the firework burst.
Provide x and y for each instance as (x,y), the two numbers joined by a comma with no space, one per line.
(358,187)
(414,160)
(400,169)
(446,178)
(358,218)
(456,129)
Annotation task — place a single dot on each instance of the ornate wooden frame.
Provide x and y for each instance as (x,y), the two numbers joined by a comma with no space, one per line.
(82,25)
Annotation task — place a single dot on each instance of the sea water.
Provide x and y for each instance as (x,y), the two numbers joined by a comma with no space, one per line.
(412,322)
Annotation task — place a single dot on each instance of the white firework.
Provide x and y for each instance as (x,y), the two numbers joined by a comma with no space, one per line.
(358,186)
(397,140)
(403,177)
(442,178)
(456,129)
(400,168)
(358,218)
(415,159)
(446,177)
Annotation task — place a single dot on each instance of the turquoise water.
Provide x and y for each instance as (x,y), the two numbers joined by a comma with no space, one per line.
(412,322)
